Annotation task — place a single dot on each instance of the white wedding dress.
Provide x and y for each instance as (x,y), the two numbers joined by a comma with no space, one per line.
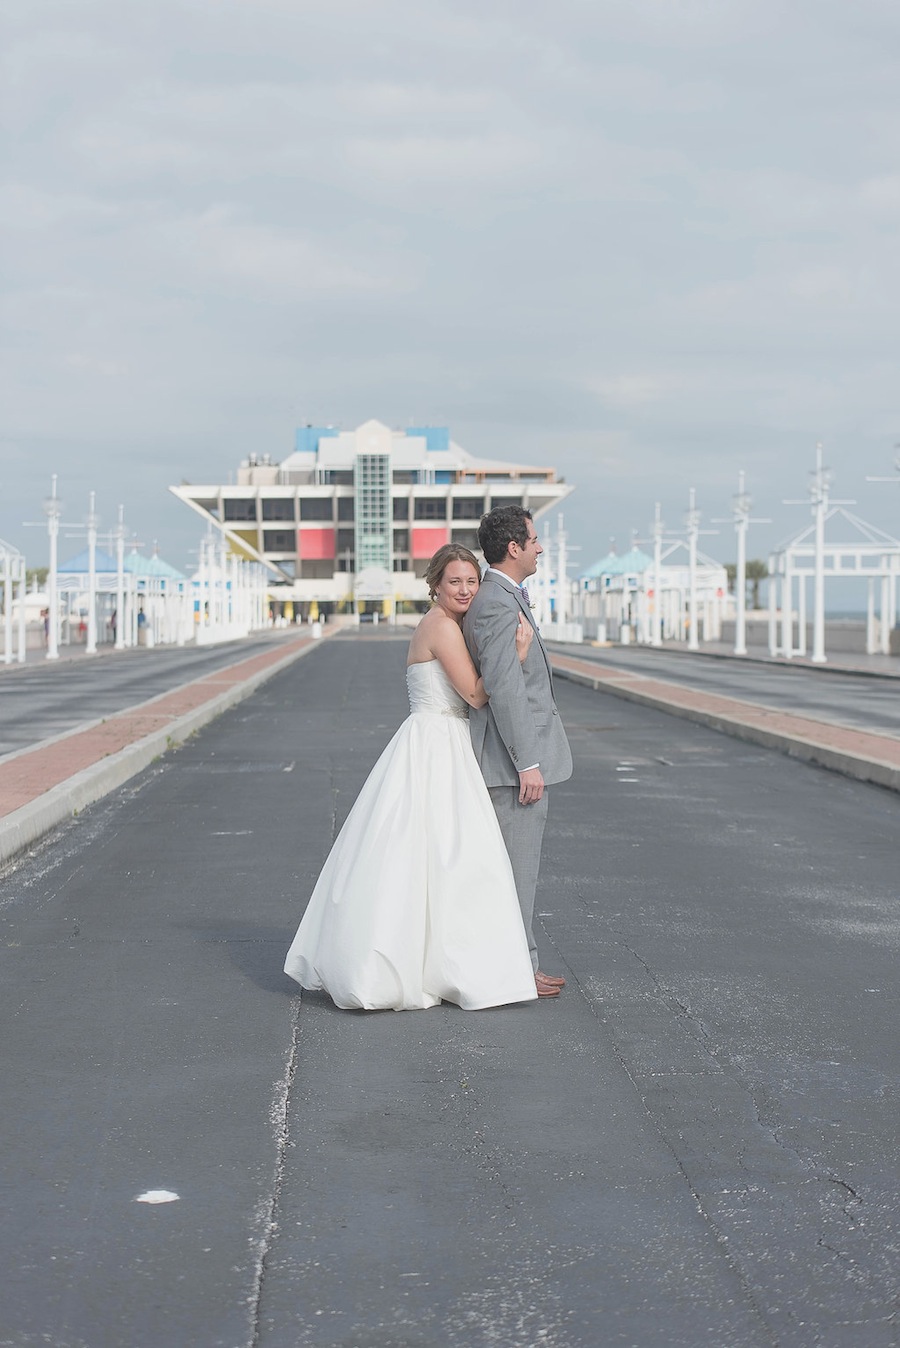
(416,902)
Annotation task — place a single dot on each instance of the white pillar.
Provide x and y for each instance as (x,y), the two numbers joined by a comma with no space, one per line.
(693,530)
(740,597)
(656,619)
(53,509)
(91,644)
(120,581)
(787,610)
(23,590)
(820,506)
(7,607)
(801,613)
(870,617)
(773,608)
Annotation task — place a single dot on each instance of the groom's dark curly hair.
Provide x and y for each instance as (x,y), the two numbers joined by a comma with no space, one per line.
(500,527)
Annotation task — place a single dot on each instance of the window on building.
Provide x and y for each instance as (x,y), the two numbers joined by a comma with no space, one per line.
(402,564)
(401,507)
(467,537)
(316,570)
(279,540)
(405,477)
(401,540)
(346,508)
(240,509)
(505,501)
(373,510)
(315,508)
(468,507)
(337,477)
(345,562)
(346,538)
(430,508)
(278,508)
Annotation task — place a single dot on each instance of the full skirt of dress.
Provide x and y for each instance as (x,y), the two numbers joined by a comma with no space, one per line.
(416,902)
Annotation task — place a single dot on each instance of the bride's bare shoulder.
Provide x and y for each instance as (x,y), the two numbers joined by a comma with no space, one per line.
(420,643)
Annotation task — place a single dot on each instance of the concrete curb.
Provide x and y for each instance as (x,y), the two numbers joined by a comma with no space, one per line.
(860,768)
(26,825)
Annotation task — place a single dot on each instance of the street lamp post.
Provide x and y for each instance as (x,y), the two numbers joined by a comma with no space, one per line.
(53,510)
(91,643)
(657,615)
(692,526)
(120,581)
(819,494)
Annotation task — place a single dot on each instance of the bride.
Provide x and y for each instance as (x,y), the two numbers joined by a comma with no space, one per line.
(416,903)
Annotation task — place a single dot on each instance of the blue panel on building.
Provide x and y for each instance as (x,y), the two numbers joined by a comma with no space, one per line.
(443,476)
(306,438)
(436,437)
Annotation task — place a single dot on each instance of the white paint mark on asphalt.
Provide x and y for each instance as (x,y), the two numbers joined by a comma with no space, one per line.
(232,833)
(158,1196)
(290,767)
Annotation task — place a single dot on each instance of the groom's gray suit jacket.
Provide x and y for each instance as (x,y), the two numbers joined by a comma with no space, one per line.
(520,726)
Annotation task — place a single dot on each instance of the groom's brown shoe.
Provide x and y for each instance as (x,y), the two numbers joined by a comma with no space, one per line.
(552,979)
(545,989)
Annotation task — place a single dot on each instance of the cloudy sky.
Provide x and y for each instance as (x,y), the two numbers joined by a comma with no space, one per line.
(648,242)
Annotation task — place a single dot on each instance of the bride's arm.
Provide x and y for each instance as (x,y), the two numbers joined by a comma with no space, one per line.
(449,648)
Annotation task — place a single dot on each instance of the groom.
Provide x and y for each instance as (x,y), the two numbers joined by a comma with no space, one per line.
(518,737)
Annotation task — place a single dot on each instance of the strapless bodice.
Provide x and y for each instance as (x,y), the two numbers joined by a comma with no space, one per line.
(430,690)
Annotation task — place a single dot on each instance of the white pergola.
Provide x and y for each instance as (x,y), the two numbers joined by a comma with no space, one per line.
(228,594)
(677,592)
(872,556)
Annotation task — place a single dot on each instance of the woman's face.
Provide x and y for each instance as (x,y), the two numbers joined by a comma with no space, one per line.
(457,588)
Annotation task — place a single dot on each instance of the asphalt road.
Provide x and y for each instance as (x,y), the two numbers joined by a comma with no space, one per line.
(38,701)
(851,699)
(695,1145)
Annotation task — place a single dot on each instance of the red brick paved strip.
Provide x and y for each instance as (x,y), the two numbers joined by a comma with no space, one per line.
(857,753)
(41,786)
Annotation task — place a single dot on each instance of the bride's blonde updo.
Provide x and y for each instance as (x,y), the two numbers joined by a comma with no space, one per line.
(450,552)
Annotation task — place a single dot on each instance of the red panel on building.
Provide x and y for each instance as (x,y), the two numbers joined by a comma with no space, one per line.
(315,545)
(427,538)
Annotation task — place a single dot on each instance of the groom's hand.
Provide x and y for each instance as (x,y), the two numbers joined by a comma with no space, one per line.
(531,786)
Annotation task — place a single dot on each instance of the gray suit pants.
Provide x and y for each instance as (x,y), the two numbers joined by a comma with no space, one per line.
(522,827)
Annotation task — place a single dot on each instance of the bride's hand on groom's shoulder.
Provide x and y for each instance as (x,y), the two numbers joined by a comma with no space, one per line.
(524,637)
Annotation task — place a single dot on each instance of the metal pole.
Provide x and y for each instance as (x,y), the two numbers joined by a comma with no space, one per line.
(53,509)
(657,616)
(7,607)
(741,523)
(820,507)
(870,617)
(91,645)
(773,608)
(119,643)
(23,590)
(787,611)
(693,529)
